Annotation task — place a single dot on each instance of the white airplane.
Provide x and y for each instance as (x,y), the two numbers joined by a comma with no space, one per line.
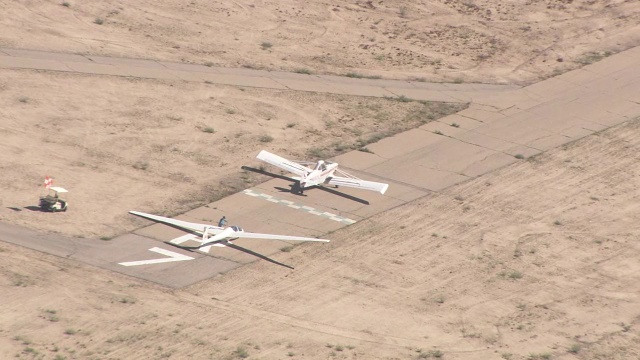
(322,173)
(218,236)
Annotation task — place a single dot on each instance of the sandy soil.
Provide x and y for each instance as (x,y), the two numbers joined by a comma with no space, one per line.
(489,269)
(442,40)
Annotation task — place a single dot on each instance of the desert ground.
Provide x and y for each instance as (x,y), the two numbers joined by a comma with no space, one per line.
(535,261)
(489,269)
(442,40)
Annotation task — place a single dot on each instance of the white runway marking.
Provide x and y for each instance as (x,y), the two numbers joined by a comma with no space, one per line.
(172,256)
(293,205)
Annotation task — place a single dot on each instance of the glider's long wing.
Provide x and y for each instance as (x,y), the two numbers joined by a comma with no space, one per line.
(283,163)
(183,225)
(248,235)
(214,230)
(359,184)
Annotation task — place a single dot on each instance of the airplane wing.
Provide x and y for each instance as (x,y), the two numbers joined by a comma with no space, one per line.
(248,235)
(179,224)
(358,183)
(283,163)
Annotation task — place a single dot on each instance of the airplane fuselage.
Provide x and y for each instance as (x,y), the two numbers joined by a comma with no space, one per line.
(320,173)
(225,236)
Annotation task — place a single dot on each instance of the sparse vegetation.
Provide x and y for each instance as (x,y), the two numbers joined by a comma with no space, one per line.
(52,315)
(141,165)
(128,300)
(266,45)
(592,57)
(208,130)
(287,248)
(66,4)
(317,153)
(519,156)
(418,79)
(23,340)
(575,348)
(70,331)
(266,138)
(438,132)
(540,356)
(98,21)
(402,12)
(435,354)
(21,280)
(23,99)
(230,111)
(455,125)
(356,75)
(515,275)
(302,71)
(241,352)
(557,223)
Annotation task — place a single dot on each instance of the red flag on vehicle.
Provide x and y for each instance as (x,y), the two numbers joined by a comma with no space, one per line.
(48,182)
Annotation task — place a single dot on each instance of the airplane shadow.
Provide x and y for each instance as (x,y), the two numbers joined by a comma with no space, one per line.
(31,207)
(346,196)
(264,172)
(292,190)
(295,189)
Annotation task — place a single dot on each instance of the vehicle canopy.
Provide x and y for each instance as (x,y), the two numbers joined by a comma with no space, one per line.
(58,189)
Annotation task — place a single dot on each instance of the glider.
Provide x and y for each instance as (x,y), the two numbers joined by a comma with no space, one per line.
(209,235)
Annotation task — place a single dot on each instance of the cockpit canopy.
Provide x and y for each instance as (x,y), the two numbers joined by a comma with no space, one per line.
(320,165)
(237,228)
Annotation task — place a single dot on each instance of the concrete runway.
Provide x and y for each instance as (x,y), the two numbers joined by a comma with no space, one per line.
(502,124)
